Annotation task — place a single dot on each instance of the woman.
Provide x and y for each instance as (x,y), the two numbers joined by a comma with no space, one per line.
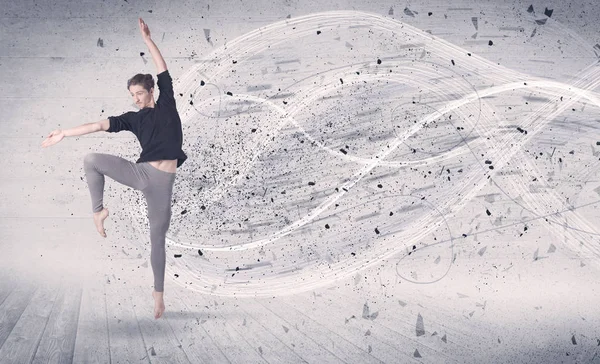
(158,129)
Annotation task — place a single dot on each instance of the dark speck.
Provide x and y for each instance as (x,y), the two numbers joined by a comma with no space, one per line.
(548,12)
(150,11)
(326,226)
(100,42)
(311,183)
(453,62)
(343,151)
(177,255)
(378,61)
(417,354)
(488,212)
(376,231)
(229,93)
(199,252)
(469,54)
(142,54)
(530,9)
(184,212)
(420,329)
(202,83)
(234,62)
(318,32)
(380,185)
(490,43)
(342,81)
(430,13)
(573,340)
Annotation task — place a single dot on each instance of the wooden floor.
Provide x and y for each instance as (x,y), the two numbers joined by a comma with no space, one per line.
(105,320)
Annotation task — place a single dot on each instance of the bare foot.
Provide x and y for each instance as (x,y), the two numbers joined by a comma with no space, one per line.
(99,218)
(159,304)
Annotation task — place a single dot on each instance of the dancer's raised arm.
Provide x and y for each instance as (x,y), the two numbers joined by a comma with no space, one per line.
(159,61)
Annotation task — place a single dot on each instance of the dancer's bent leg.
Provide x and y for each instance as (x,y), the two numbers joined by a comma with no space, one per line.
(97,165)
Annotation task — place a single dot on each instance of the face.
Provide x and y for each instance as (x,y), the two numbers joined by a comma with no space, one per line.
(141,97)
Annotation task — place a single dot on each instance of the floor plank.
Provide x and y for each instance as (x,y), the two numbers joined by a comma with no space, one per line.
(344,315)
(58,340)
(12,308)
(198,345)
(92,342)
(233,345)
(270,347)
(307,348)
(340,346)
(159,338)
(126,341)
(24,339)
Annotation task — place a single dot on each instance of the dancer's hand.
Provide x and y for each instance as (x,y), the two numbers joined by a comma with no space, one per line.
(54,137)
(144,29)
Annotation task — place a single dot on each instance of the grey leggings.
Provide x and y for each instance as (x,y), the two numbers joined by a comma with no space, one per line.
(157,187)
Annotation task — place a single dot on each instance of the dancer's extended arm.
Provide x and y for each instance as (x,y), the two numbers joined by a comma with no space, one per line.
(57,135)
(159,61)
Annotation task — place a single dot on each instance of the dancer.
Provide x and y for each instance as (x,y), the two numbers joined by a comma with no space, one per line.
(158,129)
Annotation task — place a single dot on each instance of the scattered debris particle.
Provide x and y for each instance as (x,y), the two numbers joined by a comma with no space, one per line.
(420,328)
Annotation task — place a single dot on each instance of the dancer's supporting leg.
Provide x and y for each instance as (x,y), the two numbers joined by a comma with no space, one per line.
(158,197)
(96,166)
